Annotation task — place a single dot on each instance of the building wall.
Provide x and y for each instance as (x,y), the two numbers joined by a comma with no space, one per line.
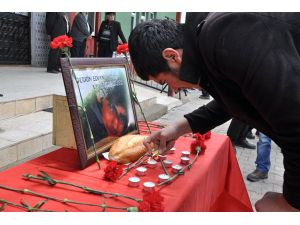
(39,39)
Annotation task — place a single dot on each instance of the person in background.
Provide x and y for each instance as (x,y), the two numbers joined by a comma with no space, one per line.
(263,162)
(237,132)
(109,32)
(204,95)
(80,31)
(57,23)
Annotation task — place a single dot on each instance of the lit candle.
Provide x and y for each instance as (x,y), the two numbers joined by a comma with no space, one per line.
(163,177)
(176,168)
(162,157)
(148,186)
(141,171)
(168,163)
(152,163)
(185,160)
(185,153)
(133,181)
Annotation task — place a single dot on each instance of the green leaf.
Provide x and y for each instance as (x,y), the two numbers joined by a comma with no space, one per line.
(40,204)
(132,209)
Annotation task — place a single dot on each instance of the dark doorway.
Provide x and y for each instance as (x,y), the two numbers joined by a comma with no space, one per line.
(14,38)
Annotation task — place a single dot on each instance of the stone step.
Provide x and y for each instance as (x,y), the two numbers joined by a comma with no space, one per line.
(153,112)
(13,108)
(24,136)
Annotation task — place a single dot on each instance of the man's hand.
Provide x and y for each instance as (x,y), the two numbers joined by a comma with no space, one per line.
(274,202)
(164,139)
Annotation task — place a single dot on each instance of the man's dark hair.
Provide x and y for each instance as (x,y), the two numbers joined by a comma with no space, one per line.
(146,43)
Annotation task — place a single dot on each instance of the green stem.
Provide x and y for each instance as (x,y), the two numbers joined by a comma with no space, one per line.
(164,167)
(27,191)
(181,171)
(140,161)
(93,191)
(24,207)
(85,114)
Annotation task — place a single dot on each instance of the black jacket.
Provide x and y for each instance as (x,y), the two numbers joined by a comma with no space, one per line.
(116,31)
(250,64)
(56,24)
(80,31)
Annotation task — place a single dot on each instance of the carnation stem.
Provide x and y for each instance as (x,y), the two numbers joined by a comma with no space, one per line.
(164,167)
(27,191)
(46,177)
(181,171)
(28,208)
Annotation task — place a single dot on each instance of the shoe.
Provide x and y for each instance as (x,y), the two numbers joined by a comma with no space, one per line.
(250,135)
(257,175)
(52,71)
(245,144)
(204,96)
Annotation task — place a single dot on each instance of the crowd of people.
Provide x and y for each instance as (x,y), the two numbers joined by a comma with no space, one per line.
(58,23)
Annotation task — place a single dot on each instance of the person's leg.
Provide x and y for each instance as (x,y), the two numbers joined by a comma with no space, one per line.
(263,161)
(237,132)
(53,58)
(75,50)
(205,94)
(82,48)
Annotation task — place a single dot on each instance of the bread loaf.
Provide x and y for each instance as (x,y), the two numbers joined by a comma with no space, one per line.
(127,149)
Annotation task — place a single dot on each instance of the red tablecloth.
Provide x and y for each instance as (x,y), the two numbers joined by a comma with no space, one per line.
(214,183)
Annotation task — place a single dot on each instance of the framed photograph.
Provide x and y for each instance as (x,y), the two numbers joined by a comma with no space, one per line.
(101,107)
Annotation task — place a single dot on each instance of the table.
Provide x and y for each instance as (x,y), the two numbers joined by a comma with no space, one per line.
(214,183)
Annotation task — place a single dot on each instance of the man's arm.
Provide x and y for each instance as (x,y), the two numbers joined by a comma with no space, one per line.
(207,117)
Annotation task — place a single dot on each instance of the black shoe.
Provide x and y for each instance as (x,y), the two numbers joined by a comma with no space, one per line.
(257,175)
(245,144)
(52,71)
(204,96)
(250,135)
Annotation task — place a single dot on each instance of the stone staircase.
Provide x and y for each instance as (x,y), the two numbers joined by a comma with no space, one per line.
(26,125)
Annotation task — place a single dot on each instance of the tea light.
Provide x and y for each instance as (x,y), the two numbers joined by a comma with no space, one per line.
(162,157)
(152,163)
(185,160)
(185,153)
(172,150)
(168,163)
(133,181)
(163,177)
(176,168)
(141,171)
(148,186)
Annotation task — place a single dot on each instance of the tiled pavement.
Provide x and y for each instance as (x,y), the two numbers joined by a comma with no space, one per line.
(246,157)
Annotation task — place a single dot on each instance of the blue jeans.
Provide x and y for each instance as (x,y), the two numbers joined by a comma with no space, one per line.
(263,162)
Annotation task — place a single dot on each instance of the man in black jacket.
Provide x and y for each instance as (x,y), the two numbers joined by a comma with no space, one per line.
(80,31)
(248,62)
(109,32)
(57,24)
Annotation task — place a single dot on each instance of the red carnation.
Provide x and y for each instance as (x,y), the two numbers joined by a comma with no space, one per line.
(152,202)
(195,144)
(122,49)
(113,171)
(199,137)
(207,135)
(61,42)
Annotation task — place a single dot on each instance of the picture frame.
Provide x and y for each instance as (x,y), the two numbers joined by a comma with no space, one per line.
(100,100)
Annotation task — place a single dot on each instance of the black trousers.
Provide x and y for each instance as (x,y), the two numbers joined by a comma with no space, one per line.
(53,59)
(78,49)
(204,92)
(237,130)
(104,50)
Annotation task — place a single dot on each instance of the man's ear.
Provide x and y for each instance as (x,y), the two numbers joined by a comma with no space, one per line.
(171,55)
